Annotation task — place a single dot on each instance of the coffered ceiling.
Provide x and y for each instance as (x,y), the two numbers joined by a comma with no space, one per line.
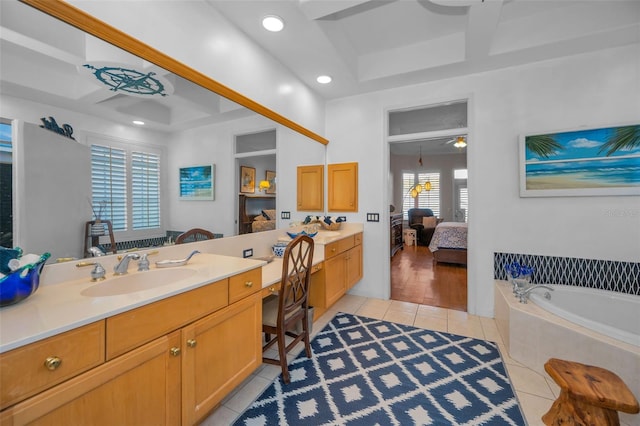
(369,45)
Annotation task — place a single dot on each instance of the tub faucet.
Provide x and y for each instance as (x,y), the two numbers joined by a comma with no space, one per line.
(523,295)
(121,268)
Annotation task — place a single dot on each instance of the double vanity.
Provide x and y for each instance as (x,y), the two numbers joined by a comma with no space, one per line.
(128,351)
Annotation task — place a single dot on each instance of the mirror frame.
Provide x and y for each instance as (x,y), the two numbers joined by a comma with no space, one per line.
(91,25)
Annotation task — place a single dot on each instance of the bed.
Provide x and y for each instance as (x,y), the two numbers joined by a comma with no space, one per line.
(449,243)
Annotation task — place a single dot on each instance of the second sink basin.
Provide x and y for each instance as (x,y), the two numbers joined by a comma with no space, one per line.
(137,282)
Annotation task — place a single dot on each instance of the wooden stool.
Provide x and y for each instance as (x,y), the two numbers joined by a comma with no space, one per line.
(589,395)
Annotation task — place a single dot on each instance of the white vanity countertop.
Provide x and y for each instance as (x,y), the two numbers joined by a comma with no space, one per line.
(57,308)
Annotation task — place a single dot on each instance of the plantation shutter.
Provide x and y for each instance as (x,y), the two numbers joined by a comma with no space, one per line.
(145,190)
(108,185)
(430,199)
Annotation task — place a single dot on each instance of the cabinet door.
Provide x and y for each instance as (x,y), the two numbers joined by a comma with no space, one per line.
(310,188)
(220,351)
(354,265)
(139,388)
(343,187)
(335,278)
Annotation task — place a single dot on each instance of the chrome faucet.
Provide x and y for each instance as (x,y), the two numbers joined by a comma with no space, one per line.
(121,268)
(523,294)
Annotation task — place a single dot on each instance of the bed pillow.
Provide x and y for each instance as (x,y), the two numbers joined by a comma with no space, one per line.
(269,214)
(259,218)
(429,221)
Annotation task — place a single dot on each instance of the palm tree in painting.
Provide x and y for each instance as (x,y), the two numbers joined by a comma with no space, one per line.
(543,145)
(627,137)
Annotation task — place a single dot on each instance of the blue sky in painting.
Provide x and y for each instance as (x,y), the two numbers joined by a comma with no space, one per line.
(5,132)
(582,144)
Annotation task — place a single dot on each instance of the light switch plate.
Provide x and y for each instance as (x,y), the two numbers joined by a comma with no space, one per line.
(373,217)
(247,253)
(285,215)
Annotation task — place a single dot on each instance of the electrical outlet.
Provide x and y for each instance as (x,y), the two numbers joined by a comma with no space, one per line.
(373,217)
(285,215)
(247,253)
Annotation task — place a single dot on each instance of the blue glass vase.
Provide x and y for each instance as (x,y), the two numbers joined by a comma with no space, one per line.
(22,282)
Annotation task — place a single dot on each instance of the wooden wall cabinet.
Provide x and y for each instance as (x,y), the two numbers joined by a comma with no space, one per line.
(343,187)
(170,362)
(310,188)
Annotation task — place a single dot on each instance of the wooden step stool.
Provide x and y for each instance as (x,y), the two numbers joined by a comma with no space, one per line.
(588,395)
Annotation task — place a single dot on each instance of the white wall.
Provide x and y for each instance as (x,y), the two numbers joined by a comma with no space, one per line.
(598,89)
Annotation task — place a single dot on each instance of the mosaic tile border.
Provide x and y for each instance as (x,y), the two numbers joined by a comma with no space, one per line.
(147,242)
(621,277)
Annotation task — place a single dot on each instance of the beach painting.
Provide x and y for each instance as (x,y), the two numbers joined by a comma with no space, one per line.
(602,161)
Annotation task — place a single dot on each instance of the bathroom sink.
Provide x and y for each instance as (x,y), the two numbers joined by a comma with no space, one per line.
(137,282)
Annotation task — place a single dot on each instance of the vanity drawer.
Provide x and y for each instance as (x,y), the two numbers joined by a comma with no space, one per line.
(244,284)
(131,329)
(38,366)
(337,247)
(357,239)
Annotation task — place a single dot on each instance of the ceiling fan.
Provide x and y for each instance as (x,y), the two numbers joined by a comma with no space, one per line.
(458,142)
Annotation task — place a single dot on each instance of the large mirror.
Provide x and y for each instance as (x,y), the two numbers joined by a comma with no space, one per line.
(71,100)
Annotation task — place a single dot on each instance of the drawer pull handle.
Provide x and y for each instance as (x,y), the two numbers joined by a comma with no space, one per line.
(174,351)
(272,289)
(333,250)
(192,343)
(52,363)
(248,284)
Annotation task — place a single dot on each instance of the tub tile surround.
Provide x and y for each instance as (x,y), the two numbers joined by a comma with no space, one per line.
(622,277)
(532,335)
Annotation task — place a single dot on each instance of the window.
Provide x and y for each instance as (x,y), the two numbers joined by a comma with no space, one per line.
(425,199)
(462,195)
(6,185)
(129,203)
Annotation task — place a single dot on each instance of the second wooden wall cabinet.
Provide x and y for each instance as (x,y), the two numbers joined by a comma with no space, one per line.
(343,187)
(310,188)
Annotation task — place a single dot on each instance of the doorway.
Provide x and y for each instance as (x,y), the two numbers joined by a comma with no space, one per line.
(425,145)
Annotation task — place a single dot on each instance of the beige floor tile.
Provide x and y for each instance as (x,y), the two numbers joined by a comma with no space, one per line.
(505,356)
(490,330)
(466,328)
(376,303)
(372,312)
(432,311)
(247,394)
(534,407)
(221,416)
(400,317)
(349,303)
(431,323)
(398,306)
(454,315)
(526,380)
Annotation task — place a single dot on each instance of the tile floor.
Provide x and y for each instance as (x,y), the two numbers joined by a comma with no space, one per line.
(535,392)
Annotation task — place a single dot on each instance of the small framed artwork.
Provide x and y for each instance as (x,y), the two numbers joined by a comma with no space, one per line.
(196,182)
(247,180)
(586,162)
(270,177)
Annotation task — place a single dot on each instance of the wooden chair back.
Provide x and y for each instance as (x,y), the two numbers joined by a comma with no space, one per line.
(195,234)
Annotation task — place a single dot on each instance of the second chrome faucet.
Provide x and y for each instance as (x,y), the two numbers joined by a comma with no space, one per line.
(123,265)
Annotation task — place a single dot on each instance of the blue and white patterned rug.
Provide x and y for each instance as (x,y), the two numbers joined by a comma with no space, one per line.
(371,372)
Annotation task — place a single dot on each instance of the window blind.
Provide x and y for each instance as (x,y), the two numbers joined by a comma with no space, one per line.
(108,185)
(145,190)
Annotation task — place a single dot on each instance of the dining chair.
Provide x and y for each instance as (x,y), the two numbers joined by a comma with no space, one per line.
(195,234)
(281,314)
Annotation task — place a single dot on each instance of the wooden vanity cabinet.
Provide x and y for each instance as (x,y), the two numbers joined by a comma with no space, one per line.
(310,188)
(220,351)
(30,369)
(168,363)
(342,193)
(139,388)
(342,269)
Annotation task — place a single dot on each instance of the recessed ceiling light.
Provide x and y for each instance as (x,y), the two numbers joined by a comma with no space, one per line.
(272,23)
(138,122)
(323,79)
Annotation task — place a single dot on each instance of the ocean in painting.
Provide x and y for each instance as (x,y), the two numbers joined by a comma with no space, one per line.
(599,173)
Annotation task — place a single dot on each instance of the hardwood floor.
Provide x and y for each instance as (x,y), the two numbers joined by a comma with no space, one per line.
(416,278)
